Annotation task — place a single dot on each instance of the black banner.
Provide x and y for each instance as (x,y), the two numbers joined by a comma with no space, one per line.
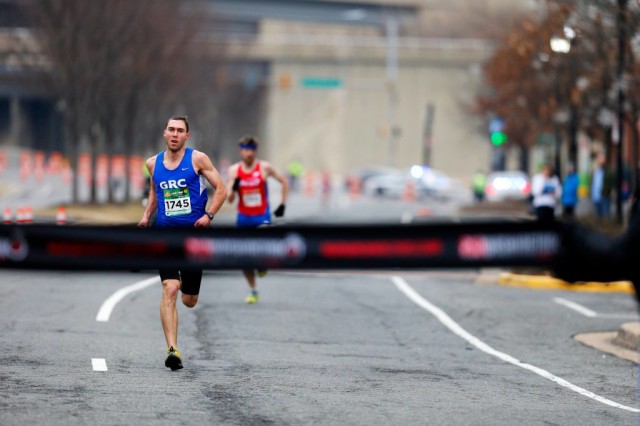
(433,245)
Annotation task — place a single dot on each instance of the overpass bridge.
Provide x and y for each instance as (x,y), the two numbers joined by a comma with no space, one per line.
(345,83)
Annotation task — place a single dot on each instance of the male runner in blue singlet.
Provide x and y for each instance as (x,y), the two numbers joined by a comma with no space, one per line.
(179,194)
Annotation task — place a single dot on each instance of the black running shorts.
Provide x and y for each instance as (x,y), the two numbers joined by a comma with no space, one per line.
(190,279)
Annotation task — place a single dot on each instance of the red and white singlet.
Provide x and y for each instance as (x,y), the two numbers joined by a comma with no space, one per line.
(252,192)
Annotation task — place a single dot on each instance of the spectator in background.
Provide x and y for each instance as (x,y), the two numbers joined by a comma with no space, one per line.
(326,188)
(570,192)
(479,183)
(601,187)
(295,170)
(546,191)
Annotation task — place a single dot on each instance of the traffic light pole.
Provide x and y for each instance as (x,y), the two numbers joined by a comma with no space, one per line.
(392,29)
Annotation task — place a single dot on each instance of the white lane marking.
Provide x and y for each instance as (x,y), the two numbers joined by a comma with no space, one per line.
(589,313)
(619,316)
(576,307)
(107,307)
(99,364)
(402,285)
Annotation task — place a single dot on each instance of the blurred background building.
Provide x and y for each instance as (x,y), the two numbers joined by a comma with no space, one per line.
(333,84)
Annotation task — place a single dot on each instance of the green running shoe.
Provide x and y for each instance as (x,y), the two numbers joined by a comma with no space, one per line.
(173,361)
(252,297)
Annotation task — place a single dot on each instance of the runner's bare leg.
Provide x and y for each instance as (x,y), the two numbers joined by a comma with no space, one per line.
(250,275)
(168,311)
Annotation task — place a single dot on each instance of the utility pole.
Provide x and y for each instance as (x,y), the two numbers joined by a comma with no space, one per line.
(428,134)
(392,90)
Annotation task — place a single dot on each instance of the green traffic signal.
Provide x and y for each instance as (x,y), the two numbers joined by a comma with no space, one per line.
(498,138)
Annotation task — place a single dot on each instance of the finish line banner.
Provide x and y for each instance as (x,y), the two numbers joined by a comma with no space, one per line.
(284,247)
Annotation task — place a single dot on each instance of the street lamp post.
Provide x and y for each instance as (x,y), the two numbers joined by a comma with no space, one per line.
(559,45)
(392,28)
(622,5)
(560,118)
(562,44)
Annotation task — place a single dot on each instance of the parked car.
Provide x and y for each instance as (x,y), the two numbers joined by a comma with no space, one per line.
(431,182)
(386,185)
(507,185)
(362,175)
(427,182)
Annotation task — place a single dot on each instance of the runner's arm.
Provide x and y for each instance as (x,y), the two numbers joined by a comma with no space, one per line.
(232,172)
(152,199)
(558,193)
(205,168)
(272,171)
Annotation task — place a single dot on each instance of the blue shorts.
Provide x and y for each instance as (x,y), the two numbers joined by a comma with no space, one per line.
(247,221)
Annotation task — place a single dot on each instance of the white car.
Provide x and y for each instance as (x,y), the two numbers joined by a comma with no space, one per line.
(386,185)
(511,185)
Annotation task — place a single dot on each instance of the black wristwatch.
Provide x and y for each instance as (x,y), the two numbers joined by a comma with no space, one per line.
(211,215)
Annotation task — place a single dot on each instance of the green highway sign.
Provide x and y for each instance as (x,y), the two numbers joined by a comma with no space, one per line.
(321,82)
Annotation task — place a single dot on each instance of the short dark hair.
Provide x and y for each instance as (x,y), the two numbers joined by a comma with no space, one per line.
(179,118)
(248,140)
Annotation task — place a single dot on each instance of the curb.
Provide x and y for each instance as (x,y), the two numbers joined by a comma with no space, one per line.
(623,343)
(545,282)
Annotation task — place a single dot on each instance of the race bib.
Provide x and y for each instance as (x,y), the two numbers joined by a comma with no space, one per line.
(252,198)
(177,202)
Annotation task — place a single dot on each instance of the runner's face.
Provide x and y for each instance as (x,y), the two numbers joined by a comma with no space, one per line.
(247,155)
(176,135)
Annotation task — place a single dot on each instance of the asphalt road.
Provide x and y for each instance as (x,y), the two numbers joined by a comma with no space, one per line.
(319,348)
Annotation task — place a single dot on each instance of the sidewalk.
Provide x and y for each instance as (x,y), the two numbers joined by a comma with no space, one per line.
(107,214)
(623,343)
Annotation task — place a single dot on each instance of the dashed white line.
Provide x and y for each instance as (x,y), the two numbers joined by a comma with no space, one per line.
(589,313)
(576,307)
(107,307)
(99,364)
(619,316)
(405,288)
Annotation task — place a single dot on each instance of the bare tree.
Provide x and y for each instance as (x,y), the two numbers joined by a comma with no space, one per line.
(521,87)
(116,66)
(535,89)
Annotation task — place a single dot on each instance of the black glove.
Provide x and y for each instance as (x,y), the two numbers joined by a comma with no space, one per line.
(279,211)
(236,184)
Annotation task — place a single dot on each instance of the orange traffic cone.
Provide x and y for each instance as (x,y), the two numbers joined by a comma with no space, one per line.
(20,216)
(7,216)
(409,191)
(354,187)
(28,215)
(309,184)
(61,217)
(423,212)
